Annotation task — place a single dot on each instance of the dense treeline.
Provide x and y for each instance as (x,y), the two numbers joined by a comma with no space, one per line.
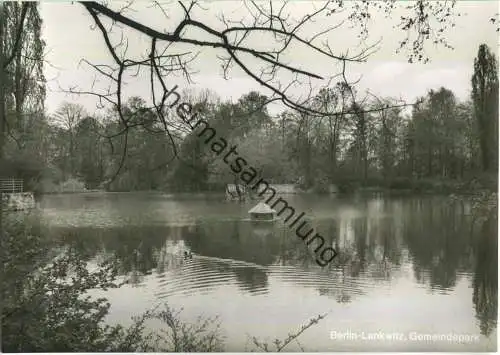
(440,143)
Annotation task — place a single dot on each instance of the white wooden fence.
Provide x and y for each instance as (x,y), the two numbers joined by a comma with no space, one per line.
(11,185)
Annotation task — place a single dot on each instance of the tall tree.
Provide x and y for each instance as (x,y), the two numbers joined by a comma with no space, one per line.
(387,122)
(360,145)
(22,91)
(485,99)
(23,79)
(69,116)
(88,152)
(333,99)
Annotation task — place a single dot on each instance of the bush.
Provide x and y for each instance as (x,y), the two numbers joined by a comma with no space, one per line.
(348,185)
(321,186)
(72,185)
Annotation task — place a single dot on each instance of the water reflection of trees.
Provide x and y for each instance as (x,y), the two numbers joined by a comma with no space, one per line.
(485,281)
(138,250)
(132,247)
(437,236)
(238,241)
(252,279)
(443,244)
(438,240)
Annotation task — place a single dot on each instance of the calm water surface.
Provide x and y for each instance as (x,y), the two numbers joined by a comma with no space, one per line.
(406,265)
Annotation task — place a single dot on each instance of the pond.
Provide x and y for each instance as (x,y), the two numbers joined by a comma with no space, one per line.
(406,264)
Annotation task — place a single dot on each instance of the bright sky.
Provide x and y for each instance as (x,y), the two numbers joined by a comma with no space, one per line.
(69,37)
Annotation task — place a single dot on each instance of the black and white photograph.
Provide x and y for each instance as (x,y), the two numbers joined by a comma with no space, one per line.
(249,176)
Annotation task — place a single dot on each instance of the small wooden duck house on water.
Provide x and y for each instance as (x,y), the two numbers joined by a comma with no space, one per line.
(262,212)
